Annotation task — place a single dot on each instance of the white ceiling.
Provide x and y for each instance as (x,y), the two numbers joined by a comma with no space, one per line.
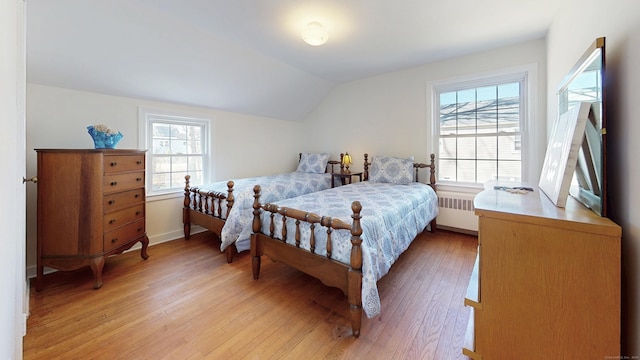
(247,56)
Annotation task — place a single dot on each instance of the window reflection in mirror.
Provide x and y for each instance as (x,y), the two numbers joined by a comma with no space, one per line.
(584,83)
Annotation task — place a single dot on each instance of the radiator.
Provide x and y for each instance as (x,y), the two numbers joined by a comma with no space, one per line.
(456,211)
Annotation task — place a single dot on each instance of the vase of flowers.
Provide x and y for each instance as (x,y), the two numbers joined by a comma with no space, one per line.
(104,137)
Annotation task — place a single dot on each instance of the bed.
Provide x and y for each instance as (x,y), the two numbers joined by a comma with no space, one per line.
(364,228)
(225,208)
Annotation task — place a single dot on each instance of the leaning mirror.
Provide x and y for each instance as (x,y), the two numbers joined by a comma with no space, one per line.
(584,83)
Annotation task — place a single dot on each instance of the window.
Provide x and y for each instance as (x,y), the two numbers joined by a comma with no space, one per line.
(177,146)
(480,129)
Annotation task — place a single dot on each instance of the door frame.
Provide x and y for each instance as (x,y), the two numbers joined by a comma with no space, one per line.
(14,288)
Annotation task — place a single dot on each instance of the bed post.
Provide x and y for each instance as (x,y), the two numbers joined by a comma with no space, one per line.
(355,271)
(185,210)
(432,171)
(255,255)
(230,252)
(432,183)
(366,167)
(230,198)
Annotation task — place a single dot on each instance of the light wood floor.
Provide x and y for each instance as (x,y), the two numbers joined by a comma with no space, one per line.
(186,302)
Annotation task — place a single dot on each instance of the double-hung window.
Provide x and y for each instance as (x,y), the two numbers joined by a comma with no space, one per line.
(177,146)
(480,129)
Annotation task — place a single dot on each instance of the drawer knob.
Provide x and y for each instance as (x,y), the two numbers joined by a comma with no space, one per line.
(138,179)
(112,221)
(111,202)
(114,163)
(114,240)
(114,183)
(138,162)
(138,212)
(139,229)
(136,196)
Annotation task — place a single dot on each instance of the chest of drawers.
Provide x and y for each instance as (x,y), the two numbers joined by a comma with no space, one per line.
(91,204)
(546,283)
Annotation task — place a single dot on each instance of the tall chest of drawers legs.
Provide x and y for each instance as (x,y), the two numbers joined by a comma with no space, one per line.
(546,283)
(91,204)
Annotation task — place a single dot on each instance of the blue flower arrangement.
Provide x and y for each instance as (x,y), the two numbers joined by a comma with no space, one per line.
(104,137)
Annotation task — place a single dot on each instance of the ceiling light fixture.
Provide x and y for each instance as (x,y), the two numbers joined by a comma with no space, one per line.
(314,34)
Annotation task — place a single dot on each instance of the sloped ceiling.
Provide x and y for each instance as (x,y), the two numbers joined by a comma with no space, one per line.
(247,56)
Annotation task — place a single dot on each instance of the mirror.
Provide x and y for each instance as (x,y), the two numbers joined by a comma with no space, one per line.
(584,83)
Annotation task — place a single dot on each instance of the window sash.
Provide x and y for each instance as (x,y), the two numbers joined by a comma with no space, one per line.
(177,146)
(469,165)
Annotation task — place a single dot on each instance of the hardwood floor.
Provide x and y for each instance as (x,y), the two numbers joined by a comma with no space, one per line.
(186,302)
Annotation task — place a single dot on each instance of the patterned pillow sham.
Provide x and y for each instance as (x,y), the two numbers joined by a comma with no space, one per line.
(387,169)
(313,163)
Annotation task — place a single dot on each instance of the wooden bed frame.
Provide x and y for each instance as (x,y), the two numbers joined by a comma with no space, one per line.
(205,208)
(347,278)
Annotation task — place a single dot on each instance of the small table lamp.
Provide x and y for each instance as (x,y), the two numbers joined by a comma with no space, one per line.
(346,161)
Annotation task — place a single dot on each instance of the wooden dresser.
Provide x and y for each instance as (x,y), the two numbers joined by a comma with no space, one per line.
(91,204)
(546,283)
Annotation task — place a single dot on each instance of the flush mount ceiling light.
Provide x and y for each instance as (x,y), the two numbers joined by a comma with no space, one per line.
(314,34)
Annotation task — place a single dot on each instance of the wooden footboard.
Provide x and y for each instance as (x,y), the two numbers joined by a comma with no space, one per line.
(206,208)
(347,278)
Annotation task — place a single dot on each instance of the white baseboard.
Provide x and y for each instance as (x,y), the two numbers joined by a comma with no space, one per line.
(24,324)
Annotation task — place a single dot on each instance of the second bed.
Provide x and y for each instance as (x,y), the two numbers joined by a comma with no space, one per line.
(224,207)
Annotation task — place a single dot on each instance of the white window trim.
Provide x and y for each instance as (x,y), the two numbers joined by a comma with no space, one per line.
(144,143)
(530,124)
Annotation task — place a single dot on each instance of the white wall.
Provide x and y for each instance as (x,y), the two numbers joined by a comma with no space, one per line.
(577,25)
(390,114)
(243,145)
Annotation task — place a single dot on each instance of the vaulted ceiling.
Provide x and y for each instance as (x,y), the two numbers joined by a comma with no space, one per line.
(247,56)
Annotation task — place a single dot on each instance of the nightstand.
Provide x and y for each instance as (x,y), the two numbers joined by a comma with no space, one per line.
(344,176)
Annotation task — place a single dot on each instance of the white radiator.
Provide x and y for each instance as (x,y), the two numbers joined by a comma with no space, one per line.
(457,211)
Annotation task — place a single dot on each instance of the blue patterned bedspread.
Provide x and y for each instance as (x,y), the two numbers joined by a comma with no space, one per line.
(392,216)
(237,227)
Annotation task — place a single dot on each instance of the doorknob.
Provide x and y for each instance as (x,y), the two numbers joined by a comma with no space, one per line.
(33,179)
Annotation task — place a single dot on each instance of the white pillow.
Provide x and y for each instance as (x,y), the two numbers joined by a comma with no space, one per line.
(387,169)
(313,163)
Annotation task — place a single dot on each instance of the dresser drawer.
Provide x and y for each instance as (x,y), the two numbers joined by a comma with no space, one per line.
(119,218)
(120,182)
(123,235)
(117,201)
(115,163)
